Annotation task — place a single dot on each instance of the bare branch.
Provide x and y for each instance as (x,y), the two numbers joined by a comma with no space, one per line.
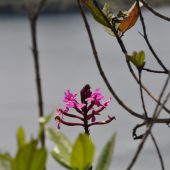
(34,8)
(120,42)
(150,125)
(155,12)
(148,42)
(105,78)
(99,64)
(134,134)
(158,151)
(154,71)
(33,14)
(142,97)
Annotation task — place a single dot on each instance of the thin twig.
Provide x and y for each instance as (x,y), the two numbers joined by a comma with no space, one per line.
(154,71)
(141,94)
(40,6)
(150,125)
(134,134)
(154,12)
(33,16)
(158,151)
(148,42)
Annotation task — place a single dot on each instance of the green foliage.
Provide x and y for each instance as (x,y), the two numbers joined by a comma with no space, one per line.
(20,137)
(96,13)
(63,147)
(83,153)
(30,157)
(138,59)
(105,157)
(5,161)
(75,157)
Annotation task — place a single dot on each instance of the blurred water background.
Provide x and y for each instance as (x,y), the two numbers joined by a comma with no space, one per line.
(67,62)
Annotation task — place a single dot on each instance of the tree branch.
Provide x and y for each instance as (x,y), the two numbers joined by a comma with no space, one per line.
(33,16)
(154,12)
(150,125)
(158,151)
(105,78)
(148,42)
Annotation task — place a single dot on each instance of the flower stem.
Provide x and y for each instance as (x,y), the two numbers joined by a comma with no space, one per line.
(86,126)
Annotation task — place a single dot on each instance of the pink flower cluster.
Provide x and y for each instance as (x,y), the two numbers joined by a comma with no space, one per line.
(91,106)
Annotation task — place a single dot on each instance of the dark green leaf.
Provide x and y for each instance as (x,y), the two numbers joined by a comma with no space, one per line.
(105,157)
(83,153)
(39,158)
(63,147)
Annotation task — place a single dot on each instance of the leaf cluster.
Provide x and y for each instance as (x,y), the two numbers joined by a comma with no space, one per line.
(29,155)
(80,155)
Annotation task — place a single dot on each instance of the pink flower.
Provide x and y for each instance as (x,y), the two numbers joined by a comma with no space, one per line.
(71,101)
(96,97)
(86,111)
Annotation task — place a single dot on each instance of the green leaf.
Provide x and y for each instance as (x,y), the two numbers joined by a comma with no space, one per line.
(138,59)
(95,12)
(5,161)
(63,147)
(83,153)
(141,58)
(20,137)
(105,157)
(39,158)
(24,156)
(29,157)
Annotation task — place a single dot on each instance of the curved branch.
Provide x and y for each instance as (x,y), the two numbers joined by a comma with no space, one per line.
(134,134)
(148,42)
(123,48)
(99,64)
(150,125)
(154,12)
(105,78)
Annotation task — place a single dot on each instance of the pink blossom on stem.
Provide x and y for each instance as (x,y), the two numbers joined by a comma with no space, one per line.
(71,101)
(86,112)
(96,97)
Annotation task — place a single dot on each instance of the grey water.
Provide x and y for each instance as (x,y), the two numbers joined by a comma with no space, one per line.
(66,62)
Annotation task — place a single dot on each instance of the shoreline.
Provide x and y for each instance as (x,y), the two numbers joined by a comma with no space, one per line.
(19,9)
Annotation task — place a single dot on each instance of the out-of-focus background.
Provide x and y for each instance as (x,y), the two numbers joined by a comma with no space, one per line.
(55,6)
(66,62)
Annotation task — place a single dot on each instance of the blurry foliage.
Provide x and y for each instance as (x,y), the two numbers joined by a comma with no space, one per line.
(80,155)
(29,155)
